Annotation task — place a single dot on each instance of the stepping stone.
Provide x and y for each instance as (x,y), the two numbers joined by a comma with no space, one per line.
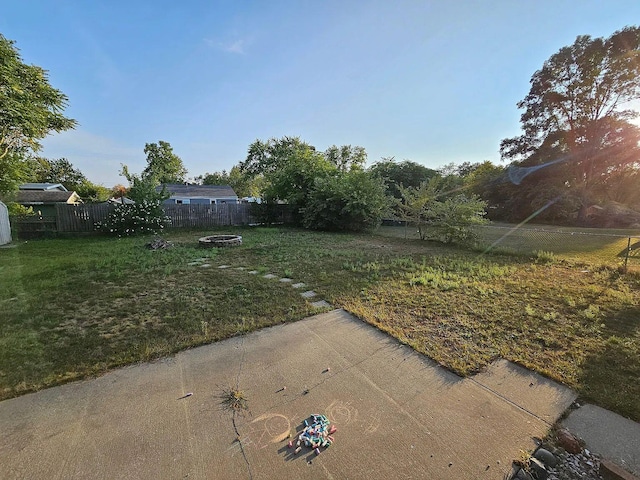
(298,285)
(308,294)
(205,265)
(253,272)
(286,280)
(269,275)
(239,268)
(191,264)
(224,266)
(321,304)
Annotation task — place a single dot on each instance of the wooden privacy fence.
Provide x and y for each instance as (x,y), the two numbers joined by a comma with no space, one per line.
(83,218)
(204,216)
(80,218)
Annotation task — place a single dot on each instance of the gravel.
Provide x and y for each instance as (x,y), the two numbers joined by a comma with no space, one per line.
(581,466)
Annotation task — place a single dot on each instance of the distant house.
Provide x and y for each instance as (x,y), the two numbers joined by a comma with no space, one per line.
(185,194)
(43,197)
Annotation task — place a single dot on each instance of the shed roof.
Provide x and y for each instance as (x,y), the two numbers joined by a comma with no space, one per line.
(205,191)
(26,197)
(42,186)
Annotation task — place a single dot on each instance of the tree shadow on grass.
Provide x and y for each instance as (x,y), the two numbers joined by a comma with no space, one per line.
(625,322)
(609,377)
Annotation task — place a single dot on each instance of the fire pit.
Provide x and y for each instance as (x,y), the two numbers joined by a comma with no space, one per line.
(219,241)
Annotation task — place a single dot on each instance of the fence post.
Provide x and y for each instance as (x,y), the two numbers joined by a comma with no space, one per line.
(626,257)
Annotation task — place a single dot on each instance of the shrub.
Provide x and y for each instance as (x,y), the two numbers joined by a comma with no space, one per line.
(353,201)
(141,218)
(543,256)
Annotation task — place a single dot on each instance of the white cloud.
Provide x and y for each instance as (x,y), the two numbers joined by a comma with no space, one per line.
(97,157)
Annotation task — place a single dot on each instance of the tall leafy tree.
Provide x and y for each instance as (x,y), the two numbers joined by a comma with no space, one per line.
(62,171)
(243,184)
(30,109)
(401,174)
(294,178)
(162,164)
(576,120)
(266,157)
(289,168)
(57,171)
(346,157)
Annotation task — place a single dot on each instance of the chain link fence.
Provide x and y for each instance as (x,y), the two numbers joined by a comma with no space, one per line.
(617,248)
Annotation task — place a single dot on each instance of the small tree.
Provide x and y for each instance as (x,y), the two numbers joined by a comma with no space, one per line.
(143,187)
(447,219)
(163,166)
(353,201)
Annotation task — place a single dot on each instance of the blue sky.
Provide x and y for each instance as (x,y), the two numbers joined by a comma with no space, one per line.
(429,81)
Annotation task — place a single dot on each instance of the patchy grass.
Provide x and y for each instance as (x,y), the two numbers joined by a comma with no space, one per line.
(76,307)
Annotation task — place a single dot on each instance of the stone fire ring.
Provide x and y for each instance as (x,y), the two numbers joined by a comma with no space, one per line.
(218,241)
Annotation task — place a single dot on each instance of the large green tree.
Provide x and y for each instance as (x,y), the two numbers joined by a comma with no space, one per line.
(57,171)
(264,158)
(346,157)
(289,167)
(30,108)
(162,164)
(576,121)
(401,174)
(62,171)
(243,184)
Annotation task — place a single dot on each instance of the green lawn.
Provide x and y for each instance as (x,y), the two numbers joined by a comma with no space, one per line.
(77,307)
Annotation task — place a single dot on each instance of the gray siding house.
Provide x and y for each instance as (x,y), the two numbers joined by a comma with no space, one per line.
(189,194)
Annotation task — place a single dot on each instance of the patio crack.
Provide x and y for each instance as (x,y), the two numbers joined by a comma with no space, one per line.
(235,412)
(244,454)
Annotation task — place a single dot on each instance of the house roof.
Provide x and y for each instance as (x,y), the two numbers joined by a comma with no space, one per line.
(42,186)
(204,191)
(121,200)
(26,197)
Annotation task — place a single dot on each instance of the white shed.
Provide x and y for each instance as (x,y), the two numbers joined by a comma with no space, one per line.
(5,226)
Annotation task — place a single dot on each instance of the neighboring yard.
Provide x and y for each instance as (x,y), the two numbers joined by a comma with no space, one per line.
(76,307)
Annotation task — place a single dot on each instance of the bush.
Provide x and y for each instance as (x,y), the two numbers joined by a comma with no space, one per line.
(439,216)
(353,201)
(141,218)
(15,209)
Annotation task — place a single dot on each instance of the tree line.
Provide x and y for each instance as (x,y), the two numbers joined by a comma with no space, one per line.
(577,160)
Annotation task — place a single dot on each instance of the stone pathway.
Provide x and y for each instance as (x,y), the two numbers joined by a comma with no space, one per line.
(309,295)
